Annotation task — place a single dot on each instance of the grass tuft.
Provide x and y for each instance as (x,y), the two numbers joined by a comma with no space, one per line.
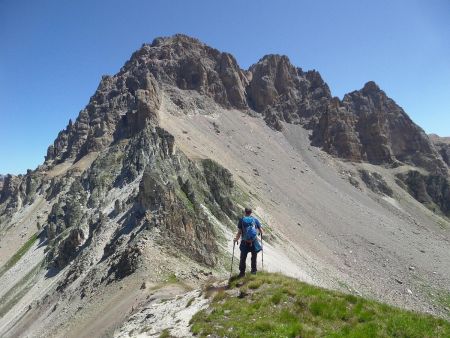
(272,305)
(190,301)
(165,334)
(172,279)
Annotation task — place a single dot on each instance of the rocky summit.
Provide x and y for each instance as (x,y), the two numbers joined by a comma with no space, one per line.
(138,198)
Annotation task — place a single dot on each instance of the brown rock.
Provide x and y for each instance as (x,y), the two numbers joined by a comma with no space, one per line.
(282,92)
(442,145)
(367,125)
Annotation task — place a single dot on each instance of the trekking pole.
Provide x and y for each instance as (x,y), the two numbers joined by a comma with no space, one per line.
(232,259)
(262,253)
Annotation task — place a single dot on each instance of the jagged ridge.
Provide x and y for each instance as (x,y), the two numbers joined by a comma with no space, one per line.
(365,126)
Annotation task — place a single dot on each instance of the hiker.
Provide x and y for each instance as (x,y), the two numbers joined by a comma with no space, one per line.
(248,228)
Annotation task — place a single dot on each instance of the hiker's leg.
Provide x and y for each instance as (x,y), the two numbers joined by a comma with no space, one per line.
(254,255)
(244,253)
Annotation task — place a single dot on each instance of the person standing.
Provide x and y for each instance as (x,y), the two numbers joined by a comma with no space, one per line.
(248,229)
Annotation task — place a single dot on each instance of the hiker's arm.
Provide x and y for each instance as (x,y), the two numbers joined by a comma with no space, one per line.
(259,226)
(238,235)
(239,232)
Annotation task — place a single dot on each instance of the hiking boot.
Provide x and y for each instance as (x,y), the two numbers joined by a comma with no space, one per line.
(253,272)
(241,274)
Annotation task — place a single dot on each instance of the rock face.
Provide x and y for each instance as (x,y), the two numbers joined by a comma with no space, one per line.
(128,262)
(125,102)
(375,182)
(122,104)
(188,64)
(69,247)
(369,126)
(282,92)
(442,145)
(167,205)
(365,126)
(10,187)
(432,190)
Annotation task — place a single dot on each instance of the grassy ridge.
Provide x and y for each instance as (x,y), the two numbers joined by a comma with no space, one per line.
(272,305)
(19,254)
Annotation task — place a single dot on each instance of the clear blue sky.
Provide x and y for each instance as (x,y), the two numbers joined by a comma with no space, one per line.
(53,53)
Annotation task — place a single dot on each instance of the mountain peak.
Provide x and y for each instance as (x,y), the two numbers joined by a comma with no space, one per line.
(275,58)
(273,87)
(370,87)
(176,38)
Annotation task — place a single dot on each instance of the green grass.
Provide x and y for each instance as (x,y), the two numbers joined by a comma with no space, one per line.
(165,334)
(19,254)
(172,279)
(190,301)
(444,299)
(185,200)
(272,305)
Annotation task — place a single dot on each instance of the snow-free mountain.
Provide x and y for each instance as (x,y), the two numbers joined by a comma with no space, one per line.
(138,198)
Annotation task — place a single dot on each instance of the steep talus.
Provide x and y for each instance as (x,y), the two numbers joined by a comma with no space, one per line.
(145,187)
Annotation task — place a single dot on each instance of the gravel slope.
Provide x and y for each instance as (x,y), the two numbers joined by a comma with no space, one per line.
(339,236)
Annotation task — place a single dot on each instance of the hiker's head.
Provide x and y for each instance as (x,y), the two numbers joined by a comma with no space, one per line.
(248,211)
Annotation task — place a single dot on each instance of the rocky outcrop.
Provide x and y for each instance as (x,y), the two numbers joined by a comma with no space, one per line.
(220,188)
(128,262)
(365,126)
(442,145)
(181,226)
(176,207)
(10,187)
(375,182)
(336,133)
(369,126)
(69,247)
(188,64)
(433,190)
(281,92)
(12,196)
(122,104)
